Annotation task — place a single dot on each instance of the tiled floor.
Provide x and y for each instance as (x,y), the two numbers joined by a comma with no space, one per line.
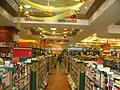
(58,80)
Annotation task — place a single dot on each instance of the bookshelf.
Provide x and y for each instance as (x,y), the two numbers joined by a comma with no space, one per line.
(39,74)
(5,78)
(75,69)
(21,76)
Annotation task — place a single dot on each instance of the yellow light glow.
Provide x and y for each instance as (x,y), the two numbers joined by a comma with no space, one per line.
(40,28)
(54,32)
(27,6)
(33,41)
(53,28)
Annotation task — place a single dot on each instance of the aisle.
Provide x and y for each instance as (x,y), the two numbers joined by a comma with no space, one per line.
(58,80)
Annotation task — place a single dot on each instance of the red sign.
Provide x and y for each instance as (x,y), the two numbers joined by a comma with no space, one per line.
(22,52)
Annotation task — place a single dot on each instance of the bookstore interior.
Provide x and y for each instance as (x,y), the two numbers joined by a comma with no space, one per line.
(38,37)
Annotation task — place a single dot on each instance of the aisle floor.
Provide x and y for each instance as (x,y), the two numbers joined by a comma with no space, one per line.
(58,79)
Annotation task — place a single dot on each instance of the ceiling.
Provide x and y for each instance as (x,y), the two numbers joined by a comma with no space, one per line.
(11,6)
(95,19)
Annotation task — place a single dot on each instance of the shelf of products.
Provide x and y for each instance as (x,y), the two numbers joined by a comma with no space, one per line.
(66,63)
(5,79)
(21,76)
(51,62)
(39,74)
(6,49)
(100,77)
(75,69)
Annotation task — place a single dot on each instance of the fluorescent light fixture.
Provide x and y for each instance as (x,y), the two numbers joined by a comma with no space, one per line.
(27,6)
(53,28)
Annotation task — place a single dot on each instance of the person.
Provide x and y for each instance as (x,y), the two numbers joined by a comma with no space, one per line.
(59,59)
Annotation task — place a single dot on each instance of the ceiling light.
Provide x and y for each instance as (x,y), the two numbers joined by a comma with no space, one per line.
(43,31)
(53,28)
(21,8)
(77,43)
(27,6)
(86,7)
(41,28)
(40,33)
(51,6)
(81,30)
(64,32)
(65,35)
(54,32)
(13,5)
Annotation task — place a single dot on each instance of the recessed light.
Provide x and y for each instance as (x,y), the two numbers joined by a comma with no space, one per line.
(54,32)
(65,35)
(43,31)
(27,6)
(64,32)
(81,30)
(86,7)
(51,6)
(13,5)
(77,43)
(53,28)
(40,33)
(41,28)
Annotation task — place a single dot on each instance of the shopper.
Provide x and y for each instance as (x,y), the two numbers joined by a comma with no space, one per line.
(59,59)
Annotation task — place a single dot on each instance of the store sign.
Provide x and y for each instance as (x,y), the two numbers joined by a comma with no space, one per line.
(26,52)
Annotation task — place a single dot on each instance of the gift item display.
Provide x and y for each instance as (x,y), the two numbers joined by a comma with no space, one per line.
(6,49)
(24,75)
(21,76)
(94,77)
(100,77)
(5,79)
